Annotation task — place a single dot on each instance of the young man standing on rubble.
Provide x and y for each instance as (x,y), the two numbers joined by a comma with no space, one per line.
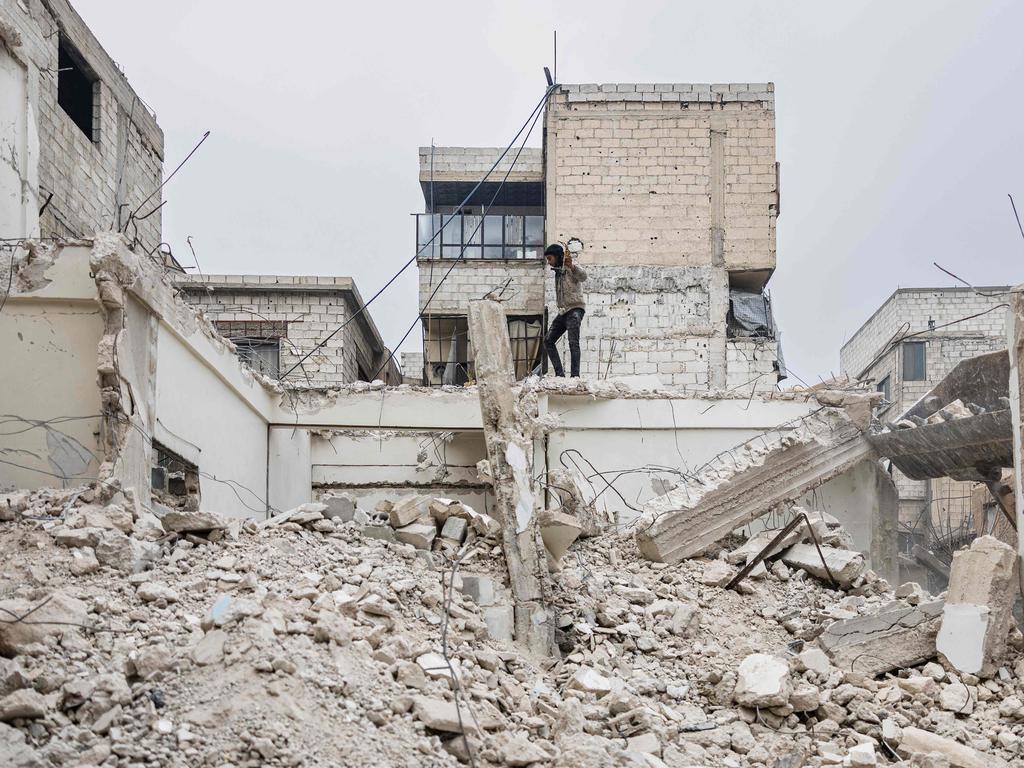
(569,299)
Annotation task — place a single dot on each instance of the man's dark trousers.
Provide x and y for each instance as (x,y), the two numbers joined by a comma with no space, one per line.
(567,321)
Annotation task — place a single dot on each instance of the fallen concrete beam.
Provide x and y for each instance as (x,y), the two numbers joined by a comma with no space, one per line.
(750,480)
(979,607)
(897,636)
(510,453)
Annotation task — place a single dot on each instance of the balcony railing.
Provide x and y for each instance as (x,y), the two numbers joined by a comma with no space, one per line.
(483,237)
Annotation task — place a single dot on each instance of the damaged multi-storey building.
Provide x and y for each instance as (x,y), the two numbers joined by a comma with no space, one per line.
(667,562)
(905,349)
(673,191)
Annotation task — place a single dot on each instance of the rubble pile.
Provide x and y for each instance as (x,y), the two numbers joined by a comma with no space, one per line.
(321,637)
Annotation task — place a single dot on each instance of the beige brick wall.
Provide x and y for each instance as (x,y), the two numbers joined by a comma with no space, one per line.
(630,171)
(87,178)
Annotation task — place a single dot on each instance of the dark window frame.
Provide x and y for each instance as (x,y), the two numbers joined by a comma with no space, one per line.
(914,367)
(445,247)
(436,348)
(884,386)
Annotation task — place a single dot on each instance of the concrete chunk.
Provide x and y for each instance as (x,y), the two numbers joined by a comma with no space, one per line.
(441,715)
(745,483)
(845,564)
(558,531)
(897,636)
(762,681)
(978,612)
(420,535)
(181,521)
(406,511)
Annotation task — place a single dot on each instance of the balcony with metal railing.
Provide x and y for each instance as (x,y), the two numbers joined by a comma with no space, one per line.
(495,237)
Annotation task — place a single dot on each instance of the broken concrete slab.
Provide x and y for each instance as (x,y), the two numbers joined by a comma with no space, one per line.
(977,615)
(440,715)
(182,521)
(916,741)
(845,565)
(896,636)
(52,615)
(591,681)
(742,484)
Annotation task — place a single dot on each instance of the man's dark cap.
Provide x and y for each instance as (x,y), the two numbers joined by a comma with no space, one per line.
(554,250)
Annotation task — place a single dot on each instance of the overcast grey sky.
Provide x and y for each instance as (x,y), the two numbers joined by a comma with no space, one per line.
(898,123)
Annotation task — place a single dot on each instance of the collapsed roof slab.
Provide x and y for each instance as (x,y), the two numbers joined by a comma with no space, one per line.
(748,481)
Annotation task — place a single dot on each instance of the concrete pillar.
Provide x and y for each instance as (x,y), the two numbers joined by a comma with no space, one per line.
(1015,345)
(510,451)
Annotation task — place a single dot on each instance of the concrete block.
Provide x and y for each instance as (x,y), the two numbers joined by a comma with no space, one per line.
(420,535)
(844,564)
(977,615)
(894,637)
(405,511)
(454,528)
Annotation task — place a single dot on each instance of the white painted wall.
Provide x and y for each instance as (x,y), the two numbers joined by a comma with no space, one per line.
(626,434)
(19,148)
(289,471)
(48,338)
(194,403)
(375,464)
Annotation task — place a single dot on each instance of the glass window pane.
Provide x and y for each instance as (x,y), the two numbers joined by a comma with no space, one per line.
(513,230)
(514,252)
(426,226)
(492,230)
(451,251)
(472,252)
(534,252)
(535,230)
(914,367)
(471,229)
(493,251)
(452,234)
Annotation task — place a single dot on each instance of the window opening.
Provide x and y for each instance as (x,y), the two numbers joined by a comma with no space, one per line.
(914,361)
(76,89)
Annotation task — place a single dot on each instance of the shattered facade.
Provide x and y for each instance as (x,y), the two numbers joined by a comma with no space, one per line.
(673,190)
(274,320)
(85,152)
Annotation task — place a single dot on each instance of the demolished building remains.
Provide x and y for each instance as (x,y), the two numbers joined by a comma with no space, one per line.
(667,562)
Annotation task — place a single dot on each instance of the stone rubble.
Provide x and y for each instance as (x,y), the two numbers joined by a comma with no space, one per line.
(312,639)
